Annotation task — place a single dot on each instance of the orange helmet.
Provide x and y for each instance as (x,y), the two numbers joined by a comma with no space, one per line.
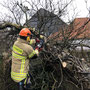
(25,32)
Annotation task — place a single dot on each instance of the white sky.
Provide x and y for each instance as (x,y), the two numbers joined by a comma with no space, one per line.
(80,6)
(78,9)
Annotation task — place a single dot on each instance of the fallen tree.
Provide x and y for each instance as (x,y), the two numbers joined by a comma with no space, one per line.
(56,72)
(56,68)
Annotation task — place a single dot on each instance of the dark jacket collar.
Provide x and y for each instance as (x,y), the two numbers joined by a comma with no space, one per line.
(22,40)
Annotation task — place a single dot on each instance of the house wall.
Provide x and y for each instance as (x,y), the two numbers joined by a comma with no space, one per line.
(82,51)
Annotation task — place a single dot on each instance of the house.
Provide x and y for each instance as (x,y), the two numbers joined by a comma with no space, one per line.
(82,29)
(81,26)
(81,32)
(78,34)
(46,22)
(77,31)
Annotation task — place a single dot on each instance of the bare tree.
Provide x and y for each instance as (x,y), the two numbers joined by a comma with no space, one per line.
(57,67)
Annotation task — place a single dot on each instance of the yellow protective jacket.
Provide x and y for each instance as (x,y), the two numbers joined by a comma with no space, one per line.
(21,53)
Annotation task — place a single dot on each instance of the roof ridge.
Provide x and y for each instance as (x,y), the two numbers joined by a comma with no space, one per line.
(82,18)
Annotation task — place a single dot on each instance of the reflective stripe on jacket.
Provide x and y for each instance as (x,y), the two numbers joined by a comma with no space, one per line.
(21,53)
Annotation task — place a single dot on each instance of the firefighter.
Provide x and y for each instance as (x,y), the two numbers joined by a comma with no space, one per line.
(22,51)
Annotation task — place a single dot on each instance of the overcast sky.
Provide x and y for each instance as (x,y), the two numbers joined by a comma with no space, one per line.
(81,7)
(78,4)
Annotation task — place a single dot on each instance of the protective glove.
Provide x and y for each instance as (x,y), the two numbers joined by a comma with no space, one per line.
(43,37)
(37,40)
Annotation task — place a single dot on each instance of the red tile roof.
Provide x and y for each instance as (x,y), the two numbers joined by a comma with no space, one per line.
(81,27)
(78,29)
